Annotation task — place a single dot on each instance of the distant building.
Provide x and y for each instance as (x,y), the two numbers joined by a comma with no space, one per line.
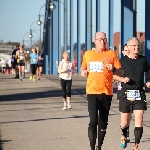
(5,51)
(140,36)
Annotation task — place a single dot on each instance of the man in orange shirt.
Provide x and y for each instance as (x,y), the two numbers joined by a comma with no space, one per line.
(98,66)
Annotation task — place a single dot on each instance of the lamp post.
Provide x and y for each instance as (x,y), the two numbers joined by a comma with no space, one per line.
(30,35)
(39,22)
(52,7)
(23,37)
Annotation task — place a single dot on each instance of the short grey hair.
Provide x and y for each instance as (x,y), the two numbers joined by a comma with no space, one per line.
(98,32)
(132,38)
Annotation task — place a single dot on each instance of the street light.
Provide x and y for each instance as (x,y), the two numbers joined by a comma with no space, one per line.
(30,35)
(23,37)
(52,6)
(39,22)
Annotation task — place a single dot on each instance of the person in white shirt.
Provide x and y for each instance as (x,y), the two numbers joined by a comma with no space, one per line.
(66,70)
(3,64)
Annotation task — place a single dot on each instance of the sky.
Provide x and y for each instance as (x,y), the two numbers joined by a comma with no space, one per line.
(16,17)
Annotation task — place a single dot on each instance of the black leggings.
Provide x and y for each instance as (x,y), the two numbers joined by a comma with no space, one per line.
(101,103)
(33,68)
(66,87)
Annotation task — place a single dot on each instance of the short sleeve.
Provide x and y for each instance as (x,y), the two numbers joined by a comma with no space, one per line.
(84,64)
(117,63)
(146,66)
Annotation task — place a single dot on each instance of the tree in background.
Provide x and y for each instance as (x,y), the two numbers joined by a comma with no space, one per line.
(37,44)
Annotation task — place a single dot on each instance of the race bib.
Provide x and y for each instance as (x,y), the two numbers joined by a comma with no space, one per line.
(119,86)
(133,95)
(21,57)
(34,60)
(96,66)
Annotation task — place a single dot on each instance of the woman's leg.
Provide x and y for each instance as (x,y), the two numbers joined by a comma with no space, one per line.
(69,84)
(63,86)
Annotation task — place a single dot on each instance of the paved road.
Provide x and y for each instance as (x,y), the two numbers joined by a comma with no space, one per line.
(31,117)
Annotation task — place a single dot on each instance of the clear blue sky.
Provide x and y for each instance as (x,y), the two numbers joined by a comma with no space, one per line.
(16,17)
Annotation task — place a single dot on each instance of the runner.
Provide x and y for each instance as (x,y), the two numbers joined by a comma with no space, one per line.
(97,65)
(33,63)
(132,96)
(125,52)
(66,70)
(21,56)
(3,64)
(14,63)
(40,63)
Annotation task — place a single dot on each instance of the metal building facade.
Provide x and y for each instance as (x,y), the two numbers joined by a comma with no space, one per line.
(72,20)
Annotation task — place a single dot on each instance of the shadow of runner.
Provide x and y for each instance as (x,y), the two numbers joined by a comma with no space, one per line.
(0,143)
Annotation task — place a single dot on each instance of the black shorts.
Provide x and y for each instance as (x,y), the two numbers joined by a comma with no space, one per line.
(13,65)
(40,65)
(126,106)
(3,68)
(33,68)
(21,63)
(118,94)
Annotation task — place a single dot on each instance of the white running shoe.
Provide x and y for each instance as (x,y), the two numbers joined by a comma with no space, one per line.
(69,107)
(64,108)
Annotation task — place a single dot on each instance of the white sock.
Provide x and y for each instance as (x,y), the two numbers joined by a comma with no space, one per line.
(68,102)
(22,74)
(64,103)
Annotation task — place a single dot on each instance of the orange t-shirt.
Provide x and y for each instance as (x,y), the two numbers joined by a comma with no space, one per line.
(99,78)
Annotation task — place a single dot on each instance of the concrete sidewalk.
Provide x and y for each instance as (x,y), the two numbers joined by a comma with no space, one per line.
(31,117)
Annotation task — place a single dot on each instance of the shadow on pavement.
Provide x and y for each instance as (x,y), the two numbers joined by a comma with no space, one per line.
(44,94)
(1,145)
(45,119)
(35,95)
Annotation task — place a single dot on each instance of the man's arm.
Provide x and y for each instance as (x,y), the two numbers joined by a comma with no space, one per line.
(147,77)
(17,54)
(83,69)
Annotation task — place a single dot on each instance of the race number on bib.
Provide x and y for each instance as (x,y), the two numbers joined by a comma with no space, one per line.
(34,60)
(96,66)
(21,57)
(133,95)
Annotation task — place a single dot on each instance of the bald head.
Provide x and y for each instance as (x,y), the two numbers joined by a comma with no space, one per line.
(100,34)
(100,41)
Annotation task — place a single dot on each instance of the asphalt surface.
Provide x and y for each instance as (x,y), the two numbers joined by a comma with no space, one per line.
(31,117)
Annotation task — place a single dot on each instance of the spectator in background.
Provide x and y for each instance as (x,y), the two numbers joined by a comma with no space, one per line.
(3,64)
(74,62)
(39,63)
(15,69)
(9,64)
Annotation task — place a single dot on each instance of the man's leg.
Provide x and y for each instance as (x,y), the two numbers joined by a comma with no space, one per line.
(138,131)
(124,108)
(17,71)
(93,113)
(125,121)
(104,107)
